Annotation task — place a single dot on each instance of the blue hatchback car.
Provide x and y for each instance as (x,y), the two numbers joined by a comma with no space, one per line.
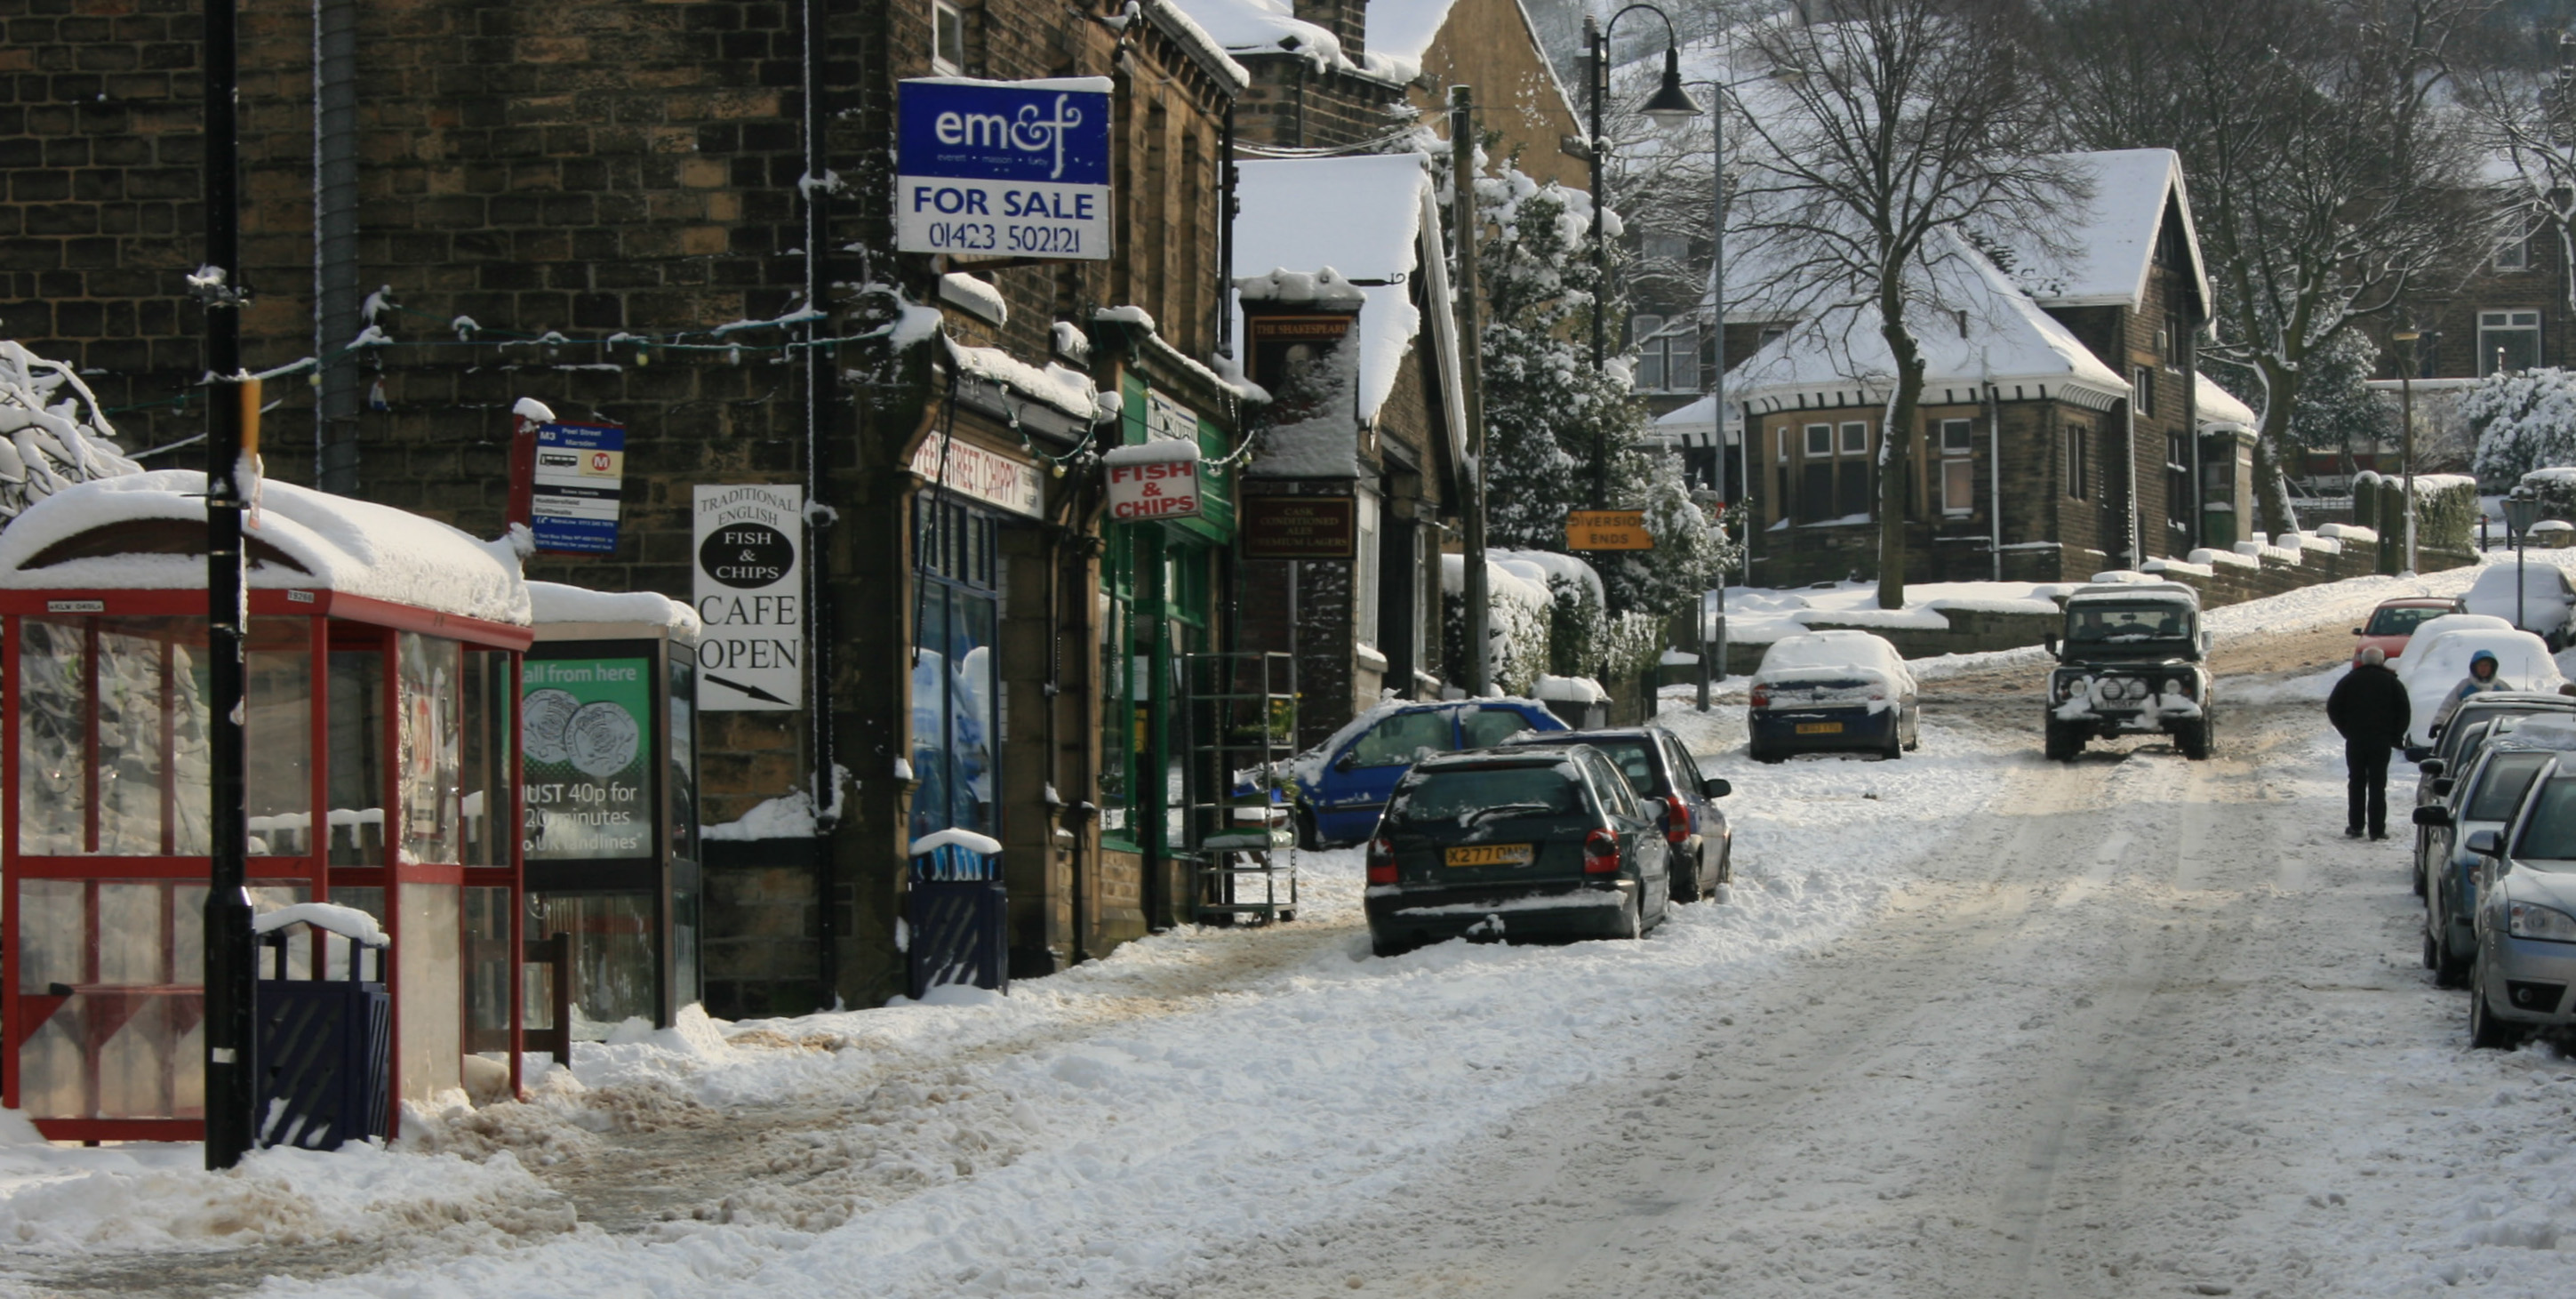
(1343,786)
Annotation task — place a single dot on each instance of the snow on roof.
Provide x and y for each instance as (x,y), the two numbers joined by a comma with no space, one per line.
(2218,408)
(2148,590)
(1399,32)
(1980,329)
(1551,565)
(2112,238)
(52,433)
(554,602)
(1809,655)
(304,539)
(1182,25)
(1068,391)
(1267,27)
(1374,232)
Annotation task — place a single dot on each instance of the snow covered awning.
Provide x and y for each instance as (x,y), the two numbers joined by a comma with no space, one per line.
(2218,409)
(147,531)
(555,604)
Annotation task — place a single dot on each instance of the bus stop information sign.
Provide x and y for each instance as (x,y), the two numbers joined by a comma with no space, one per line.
(1003,169)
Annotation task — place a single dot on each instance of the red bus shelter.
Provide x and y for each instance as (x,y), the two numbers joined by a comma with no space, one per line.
(383,774)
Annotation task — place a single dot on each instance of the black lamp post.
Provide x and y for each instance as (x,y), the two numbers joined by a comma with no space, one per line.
(1668,107)
(2521,510)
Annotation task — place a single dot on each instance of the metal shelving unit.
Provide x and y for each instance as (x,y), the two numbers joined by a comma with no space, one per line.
(1239,729)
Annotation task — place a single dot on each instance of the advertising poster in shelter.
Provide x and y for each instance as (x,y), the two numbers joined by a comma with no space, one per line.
(585,727)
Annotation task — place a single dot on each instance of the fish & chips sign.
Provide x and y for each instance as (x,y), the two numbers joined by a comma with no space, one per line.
(1016,169)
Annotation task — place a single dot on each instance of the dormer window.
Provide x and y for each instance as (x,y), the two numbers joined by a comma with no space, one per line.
(947,38)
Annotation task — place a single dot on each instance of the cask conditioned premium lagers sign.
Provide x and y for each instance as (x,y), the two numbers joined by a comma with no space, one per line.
(751,596)
(1003,169)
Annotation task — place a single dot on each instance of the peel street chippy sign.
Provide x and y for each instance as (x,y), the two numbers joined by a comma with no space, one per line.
(751,596)
(1008,169)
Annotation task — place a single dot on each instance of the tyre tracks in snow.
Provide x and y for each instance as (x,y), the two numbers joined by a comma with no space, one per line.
(1976,1095)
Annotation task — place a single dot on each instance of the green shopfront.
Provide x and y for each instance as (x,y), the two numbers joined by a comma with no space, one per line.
(1165,589)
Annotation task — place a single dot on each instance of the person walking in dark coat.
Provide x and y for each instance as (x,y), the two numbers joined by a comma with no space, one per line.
(2370,710)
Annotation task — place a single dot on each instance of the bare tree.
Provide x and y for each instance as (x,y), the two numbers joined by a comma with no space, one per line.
(1893,132)
(2526,116)
(2331,167)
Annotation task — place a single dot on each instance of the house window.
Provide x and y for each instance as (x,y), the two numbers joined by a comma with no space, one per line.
(2164,346)
(1783,431)
(1958,467)
(1667,354)
(1816,491)
(1856,439)
(947,37)
(2508,340)
(2142,387)
(2513,246)
(2079,442)
(1820,441)
(2178,480)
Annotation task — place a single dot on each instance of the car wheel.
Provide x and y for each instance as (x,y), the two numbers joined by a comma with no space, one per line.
(2432,954)
(2419,871)
(1632,920)
(1307,839)
(1682,885)
(1761,754)
(1895,747)
(2193,740)
(1384,947)
(2448,971)
(2063,743)
(2487,1032)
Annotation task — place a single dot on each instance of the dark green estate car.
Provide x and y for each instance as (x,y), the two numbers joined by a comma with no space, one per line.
(1533,841)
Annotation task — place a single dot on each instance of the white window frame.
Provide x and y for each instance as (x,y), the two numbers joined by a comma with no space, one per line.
(947,16)
(2500,323)
(1854,440)
(2512,247)
(1364,570)
(1783,441)
(1958,456)
(1814,451)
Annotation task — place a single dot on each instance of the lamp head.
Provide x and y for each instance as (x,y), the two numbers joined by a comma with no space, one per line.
(1670,106)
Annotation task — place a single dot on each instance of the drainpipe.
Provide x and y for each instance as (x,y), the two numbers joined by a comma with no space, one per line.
(1994,477)
(819,383)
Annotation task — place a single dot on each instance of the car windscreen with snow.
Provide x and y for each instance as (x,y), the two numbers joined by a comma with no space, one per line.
(1469,796)
(2128,629)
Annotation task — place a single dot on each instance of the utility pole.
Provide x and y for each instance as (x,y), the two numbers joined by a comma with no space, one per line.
(232,451)
(1596,73)
(1471,373)
(2406,432)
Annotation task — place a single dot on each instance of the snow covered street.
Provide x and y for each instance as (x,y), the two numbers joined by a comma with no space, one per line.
(1973,1024)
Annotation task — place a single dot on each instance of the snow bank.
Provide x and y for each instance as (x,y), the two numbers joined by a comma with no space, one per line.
(1891,619)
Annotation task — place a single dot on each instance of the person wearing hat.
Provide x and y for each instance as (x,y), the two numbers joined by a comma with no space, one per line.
(2370,710)
(2483,679)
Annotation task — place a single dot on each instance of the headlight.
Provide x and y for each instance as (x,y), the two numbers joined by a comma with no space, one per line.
(2171,687)
(2137,689)
(2531,920)
(2066,688)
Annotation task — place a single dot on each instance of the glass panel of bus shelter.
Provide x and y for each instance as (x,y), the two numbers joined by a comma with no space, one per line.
(357,739)
(112,737)
(126,1039)
(487,969)
(278,736)
(614,974)
(486,762)
(428,973)
(430,673)
(681,793)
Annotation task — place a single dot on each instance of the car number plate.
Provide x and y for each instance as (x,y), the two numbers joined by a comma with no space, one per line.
(1820,728)
(1490,854)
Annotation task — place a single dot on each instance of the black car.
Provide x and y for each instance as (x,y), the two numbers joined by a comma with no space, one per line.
(1532,841)
(1660,771)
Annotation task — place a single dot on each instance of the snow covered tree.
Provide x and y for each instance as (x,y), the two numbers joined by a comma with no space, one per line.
(1893,131)
(2331,169)
(2337,410)
(2524,420)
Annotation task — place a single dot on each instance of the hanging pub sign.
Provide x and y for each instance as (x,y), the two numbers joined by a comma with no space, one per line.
(1153,480)
(1003,169)
(751,596)
(580,473)
(1299,527)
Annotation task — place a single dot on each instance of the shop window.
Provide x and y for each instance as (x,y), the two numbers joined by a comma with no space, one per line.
(1121,711)
(1958,467)
(953,674)
(2508,341)
(1364,570)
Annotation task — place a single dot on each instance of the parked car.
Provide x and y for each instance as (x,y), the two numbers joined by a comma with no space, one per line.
(2484,799)
(2526,915)
(2430,632)
(1521,842)
(1660,771)
(1343,783)
(2458,748)
(2134,661)
(2393,623)
(2544,607)
(2523,663)
(1824,690)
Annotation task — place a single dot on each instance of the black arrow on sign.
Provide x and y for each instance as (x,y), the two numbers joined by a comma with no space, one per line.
(753,691)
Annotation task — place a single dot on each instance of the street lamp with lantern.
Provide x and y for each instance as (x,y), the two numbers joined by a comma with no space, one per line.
(1669,107)
(2521,510)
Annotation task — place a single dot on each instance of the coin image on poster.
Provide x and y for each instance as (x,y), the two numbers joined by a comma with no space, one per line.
(542,717)
(603,739)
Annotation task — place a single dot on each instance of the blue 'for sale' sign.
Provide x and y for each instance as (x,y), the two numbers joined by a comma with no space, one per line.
(1016,169)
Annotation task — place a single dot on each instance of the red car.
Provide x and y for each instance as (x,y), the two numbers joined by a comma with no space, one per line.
(2393,623)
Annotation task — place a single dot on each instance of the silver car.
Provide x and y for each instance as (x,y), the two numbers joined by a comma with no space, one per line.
(2458,746)
(2526,915)
(2484,799)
